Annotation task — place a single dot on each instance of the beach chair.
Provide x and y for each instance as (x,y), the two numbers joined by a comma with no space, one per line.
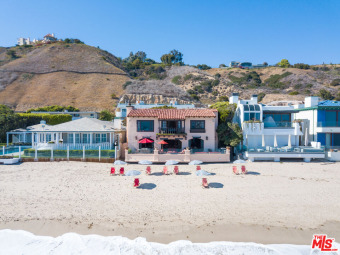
(113,171)
(136,183)
(165,170)
(243,169)
(148,170)
(205,183)
(198,168)
(235,170)
(176,170)
(121,171)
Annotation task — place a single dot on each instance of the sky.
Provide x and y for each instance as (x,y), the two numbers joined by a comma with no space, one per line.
(211,32)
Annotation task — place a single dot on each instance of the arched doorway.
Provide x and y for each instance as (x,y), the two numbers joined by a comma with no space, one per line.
(196,144)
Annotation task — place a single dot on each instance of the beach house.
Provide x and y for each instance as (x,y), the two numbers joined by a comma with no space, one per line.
(173,133)
(323,119)
(273,132)
(85,132)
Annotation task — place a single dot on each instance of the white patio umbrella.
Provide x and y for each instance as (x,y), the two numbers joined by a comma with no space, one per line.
(263,141)
(289,141)
(132,173)
(171,162)
(306,137)
(195,162)
(275,141)
(119,162)
(202,173)
(145,162)
(247,141)
(239,161)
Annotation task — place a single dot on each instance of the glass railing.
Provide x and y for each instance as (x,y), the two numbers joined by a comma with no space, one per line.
(285,149)
(278,124)
(329,123)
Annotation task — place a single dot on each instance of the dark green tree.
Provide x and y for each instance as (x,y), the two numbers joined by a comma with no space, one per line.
(106,115)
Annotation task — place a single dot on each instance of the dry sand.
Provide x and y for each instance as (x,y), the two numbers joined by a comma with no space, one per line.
(275,203)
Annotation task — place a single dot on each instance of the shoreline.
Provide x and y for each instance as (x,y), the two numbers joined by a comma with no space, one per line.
(202,234)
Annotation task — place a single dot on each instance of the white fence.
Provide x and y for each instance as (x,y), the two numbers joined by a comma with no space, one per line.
(77,146)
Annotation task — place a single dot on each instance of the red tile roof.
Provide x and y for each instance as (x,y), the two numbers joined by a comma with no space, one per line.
(172,114)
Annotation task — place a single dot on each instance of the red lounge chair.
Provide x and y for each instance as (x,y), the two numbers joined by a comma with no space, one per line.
(136,183)
(121,171)
(176,170)
(198,168)
(205,183)
(243,169)
(165,170)
(113,171)
(235,170)
(148,170)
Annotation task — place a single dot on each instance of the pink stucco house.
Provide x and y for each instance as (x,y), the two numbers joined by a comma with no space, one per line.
(171,131)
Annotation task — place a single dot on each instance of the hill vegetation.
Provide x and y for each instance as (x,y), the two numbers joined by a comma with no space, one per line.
(88,78)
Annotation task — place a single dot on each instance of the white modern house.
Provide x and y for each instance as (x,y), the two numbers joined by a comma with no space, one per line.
(273,132)
(85,132)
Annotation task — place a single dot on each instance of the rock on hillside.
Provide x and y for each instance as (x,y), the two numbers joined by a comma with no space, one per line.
(60,73)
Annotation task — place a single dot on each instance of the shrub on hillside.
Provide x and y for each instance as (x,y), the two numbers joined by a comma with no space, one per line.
(177,80)
(274,80)
(335,82)
(51,119)
(293,93)
(187,77)
(301,66)
(127,84)
(325,94)
(53,108)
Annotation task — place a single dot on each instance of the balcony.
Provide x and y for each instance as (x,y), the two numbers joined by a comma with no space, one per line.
(171,131)
(278,124)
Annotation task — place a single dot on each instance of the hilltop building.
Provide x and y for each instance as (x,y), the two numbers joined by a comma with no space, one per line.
(25,41)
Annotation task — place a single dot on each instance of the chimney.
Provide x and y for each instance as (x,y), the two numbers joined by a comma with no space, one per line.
(311,101)
(129,108)
(254,99)
(233,99)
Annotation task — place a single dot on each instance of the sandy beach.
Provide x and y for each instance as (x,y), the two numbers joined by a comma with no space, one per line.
(275,203)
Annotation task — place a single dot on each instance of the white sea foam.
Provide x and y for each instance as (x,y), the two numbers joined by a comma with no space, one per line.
(13,242)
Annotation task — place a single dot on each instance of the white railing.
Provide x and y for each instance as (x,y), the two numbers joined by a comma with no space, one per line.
(76,146)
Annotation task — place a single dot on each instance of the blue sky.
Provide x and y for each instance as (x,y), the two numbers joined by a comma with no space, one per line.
(206,32)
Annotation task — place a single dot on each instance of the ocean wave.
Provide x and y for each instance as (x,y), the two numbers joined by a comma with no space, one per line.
(13,242)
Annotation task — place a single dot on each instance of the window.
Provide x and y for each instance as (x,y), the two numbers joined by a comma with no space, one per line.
(70,138)
(86,138)
(246,107)
(145,125)
(97,138)
(246,116)
(77,138)
(197,126)
(48,137)
(103,138)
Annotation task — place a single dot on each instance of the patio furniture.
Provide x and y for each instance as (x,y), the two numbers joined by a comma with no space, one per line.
(235,171)
(198,168)
(136,183)
(148,170)
(113,171)
(176,170)
(205,183)
(165,170)
(121,171)
(243,169)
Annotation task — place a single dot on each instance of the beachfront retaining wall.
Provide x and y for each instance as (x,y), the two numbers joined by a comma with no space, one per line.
(185,157)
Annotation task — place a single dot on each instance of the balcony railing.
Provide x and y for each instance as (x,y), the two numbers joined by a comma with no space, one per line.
(328,123)
(278,124)
(197,130)
(171,131)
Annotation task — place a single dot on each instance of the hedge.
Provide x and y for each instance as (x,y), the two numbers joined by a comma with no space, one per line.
(73,153)
(51,119)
